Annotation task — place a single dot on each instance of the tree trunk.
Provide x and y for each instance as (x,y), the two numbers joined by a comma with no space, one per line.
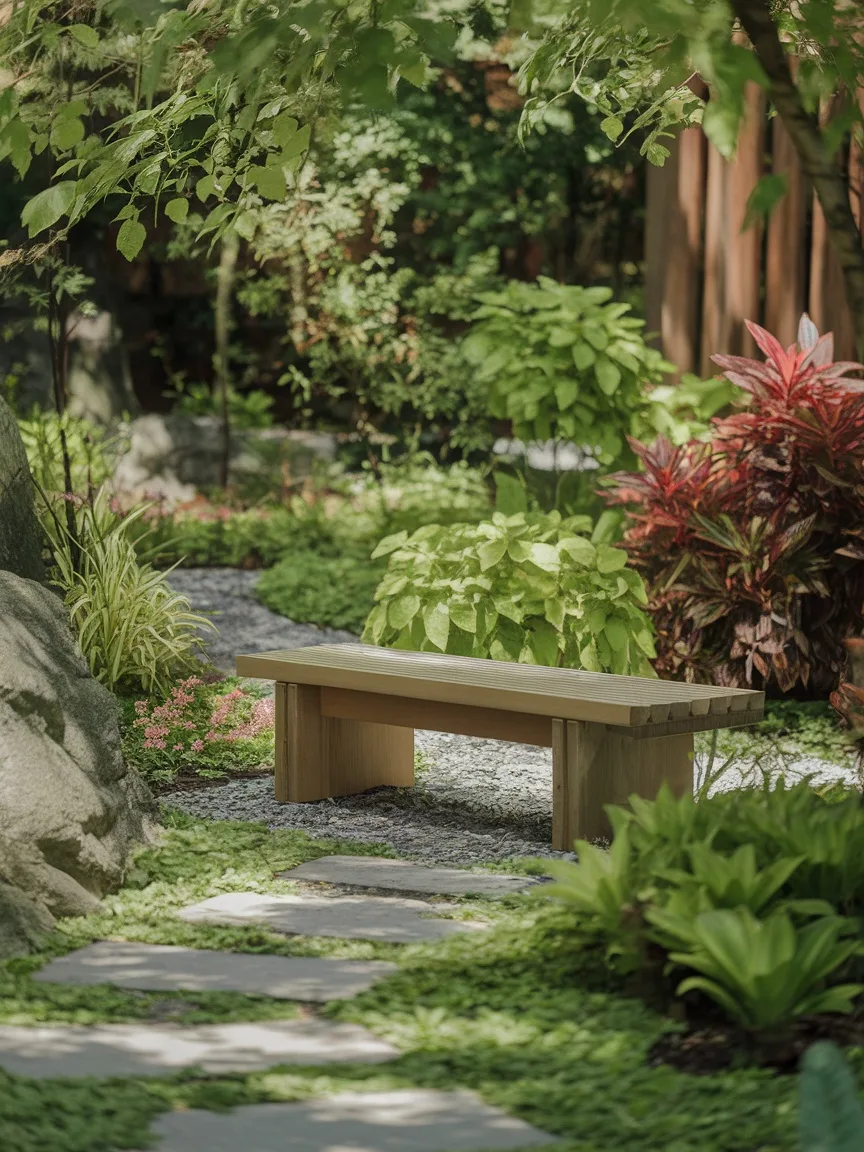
(224,303)
(828,180)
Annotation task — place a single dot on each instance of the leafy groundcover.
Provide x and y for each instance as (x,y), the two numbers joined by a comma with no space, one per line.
(526,1014)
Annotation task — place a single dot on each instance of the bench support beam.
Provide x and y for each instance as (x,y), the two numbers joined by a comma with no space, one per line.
(319,756)
(593,765)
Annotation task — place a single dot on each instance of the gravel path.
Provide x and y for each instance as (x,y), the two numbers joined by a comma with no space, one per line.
(475,800)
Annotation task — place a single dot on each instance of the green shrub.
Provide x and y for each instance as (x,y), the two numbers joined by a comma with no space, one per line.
(526,588)
(312,588)
(766,973)
(414,491)
(566,363)
(92,452)
(751,898)
(221,536)
(134,631)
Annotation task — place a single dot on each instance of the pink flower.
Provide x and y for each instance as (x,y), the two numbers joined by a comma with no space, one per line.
(197,745)
(188,725)
(177,748)
(141,707)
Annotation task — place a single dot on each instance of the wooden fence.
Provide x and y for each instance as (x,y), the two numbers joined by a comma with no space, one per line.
(705,276)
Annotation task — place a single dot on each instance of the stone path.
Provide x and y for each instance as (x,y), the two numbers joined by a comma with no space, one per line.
(408,1120)
(161,968)
(403,876)
(107,1050)
(389,919)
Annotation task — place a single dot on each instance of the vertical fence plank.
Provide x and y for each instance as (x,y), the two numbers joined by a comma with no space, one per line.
(786,256)
(828,307)
(743,279)
(673,246)
(733,258)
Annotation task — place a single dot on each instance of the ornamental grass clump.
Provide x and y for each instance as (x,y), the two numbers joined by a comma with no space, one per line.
(528,588)
(136,633)
(203,728)
(752,545)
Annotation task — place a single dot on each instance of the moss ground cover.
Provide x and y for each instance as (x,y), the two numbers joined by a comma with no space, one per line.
(526,1014)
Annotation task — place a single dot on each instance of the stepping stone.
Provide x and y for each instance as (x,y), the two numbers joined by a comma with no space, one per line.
(159,968)
(404,876)
(412,1120)
(349,917)
(108,1050)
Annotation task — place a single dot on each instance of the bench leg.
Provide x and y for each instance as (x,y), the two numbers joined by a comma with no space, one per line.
(320,756)
(593,765)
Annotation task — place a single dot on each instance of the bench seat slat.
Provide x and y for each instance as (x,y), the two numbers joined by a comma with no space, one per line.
(555,692)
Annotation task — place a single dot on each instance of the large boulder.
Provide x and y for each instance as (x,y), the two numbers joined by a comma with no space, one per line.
(20,534)
(171,457)
(70,808)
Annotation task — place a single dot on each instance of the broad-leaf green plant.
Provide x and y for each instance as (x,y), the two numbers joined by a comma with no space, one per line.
(567,363)
(603,889)
(766,973)
(524,588)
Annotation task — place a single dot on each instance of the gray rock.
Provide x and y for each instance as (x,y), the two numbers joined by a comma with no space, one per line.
(346,917)
(158,968)
(409,1120)
(20,533)
(110,1050)
(404,876)
(100,380)
(170,457)
(70,809)
(24,923)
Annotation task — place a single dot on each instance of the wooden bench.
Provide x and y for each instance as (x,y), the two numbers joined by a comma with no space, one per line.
(346,714)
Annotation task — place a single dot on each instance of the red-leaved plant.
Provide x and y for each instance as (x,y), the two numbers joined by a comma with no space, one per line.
(752,545)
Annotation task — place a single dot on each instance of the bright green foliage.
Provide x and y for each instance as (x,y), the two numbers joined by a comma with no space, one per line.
(830,1115)
(603,888)
(521,588)
(521,1014)
(634,62)
(766,973)
(133,629)
(330,591)
(92,453)
(720,887)
(566,363)
(230,129)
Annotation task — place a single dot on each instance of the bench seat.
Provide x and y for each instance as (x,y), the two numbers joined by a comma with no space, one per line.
(346,715)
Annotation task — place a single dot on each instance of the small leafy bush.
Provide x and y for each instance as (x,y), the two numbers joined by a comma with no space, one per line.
(766,973)
(207,729)
(566,363)
(314,588)
(215,536)
(92,452)
(752,545)
(415,490)
(532,589)
(134,631)
(731,896)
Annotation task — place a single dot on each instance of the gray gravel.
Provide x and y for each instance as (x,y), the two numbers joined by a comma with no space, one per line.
(475,800)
